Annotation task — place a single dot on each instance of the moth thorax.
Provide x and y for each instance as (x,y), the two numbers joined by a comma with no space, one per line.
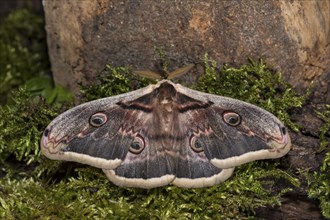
(167,105)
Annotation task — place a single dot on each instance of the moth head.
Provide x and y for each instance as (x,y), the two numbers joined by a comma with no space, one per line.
(165,92)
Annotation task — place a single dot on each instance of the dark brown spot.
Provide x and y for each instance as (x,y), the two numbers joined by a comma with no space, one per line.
(231,118)
(137,145)
(195,144)
(98,119)
(46,132)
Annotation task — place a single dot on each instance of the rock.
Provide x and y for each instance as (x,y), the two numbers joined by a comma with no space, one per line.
(294,206)
(291,36)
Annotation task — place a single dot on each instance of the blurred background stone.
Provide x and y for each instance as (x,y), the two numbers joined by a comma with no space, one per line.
(291,36)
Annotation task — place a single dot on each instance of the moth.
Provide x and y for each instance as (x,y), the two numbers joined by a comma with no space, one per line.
(165,134)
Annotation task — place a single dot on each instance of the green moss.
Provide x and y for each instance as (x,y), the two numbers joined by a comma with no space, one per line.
(319,183)
(319,186)
(23,69)
(91,195)
(114,81)
(325,129)
(34,187)
(21,124)
(55,190)
(23,50)
(254,83)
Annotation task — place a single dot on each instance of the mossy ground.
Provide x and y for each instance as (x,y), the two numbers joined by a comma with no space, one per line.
(33,187)
(22,49)
(319,182)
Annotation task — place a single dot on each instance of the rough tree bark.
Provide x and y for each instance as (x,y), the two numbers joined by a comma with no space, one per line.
(291,36)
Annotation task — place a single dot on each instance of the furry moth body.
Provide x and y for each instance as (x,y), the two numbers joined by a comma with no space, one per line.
(165,134)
